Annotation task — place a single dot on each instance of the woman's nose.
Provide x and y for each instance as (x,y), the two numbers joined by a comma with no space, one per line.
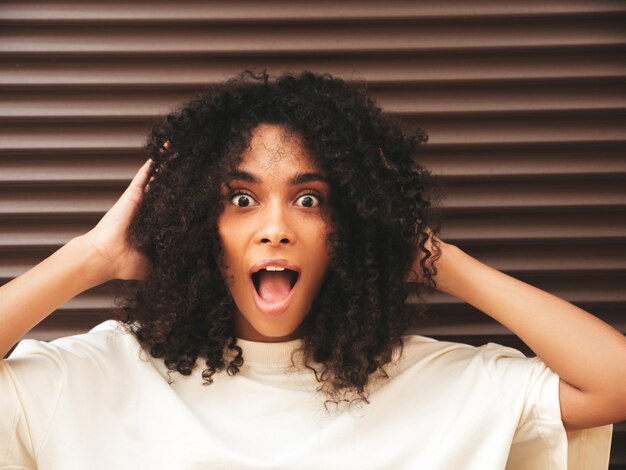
(275,229)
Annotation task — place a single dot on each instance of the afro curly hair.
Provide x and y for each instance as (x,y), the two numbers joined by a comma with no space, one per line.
(382,214)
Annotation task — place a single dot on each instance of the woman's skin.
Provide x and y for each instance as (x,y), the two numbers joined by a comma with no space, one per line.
(588,355)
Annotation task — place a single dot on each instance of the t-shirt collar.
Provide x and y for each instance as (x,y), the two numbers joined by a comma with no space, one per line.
(270,354)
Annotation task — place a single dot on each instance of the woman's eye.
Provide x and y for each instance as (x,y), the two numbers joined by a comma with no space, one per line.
(242,200)
(245,200)
(309,200)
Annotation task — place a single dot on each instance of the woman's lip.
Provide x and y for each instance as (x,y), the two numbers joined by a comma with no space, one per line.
(272,308)
(280,262)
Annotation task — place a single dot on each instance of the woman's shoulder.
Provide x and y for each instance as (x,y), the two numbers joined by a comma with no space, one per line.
(109,343)
(418,347)
(427,353)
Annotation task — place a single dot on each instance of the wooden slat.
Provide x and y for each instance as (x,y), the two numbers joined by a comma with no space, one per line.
(80,169)
(403,37)
(189,11)
(524,161)
(481,66)
(426,100)
(23,232)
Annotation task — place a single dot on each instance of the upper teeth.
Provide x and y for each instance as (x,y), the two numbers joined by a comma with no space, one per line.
(274,268)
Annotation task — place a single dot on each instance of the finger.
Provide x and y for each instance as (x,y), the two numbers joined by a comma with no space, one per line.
(147,188)
(135,188)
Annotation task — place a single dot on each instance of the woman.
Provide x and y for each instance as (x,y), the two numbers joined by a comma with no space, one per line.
(274,229)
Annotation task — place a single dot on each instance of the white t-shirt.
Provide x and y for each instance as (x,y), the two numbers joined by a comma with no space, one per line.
(98,401)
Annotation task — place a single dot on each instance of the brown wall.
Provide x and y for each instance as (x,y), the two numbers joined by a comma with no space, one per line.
(525,104)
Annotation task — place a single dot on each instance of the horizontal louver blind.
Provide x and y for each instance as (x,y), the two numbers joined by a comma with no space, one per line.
(524,102)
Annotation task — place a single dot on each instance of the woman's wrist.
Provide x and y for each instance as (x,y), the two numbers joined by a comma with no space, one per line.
(94,268)
(446,265)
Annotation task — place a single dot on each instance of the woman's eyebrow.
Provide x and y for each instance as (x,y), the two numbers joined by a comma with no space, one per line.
(307,177)
(298,178)
(244,176)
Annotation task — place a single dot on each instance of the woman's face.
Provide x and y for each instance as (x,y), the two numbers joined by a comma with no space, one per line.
(274,219)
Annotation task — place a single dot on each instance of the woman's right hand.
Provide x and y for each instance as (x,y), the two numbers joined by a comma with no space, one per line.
(113,256)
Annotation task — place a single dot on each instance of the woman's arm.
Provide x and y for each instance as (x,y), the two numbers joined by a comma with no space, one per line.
(86,261)
(588,354)
(31,297)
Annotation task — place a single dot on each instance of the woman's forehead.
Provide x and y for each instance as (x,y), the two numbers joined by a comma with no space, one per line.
(276,151)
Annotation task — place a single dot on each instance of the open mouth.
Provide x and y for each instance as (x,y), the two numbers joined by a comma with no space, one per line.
(274,285)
